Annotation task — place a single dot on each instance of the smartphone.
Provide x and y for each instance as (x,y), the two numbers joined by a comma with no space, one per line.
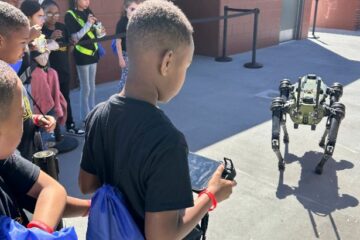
(201,170)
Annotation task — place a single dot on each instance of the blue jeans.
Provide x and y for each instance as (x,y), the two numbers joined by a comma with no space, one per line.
(124,72)
(86,74)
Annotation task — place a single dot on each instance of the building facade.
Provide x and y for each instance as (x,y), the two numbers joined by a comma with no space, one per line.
(279,20)
(338,14)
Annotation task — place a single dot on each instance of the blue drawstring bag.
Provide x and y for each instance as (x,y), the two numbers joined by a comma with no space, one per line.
(109,217)
(113,46)
(12,230)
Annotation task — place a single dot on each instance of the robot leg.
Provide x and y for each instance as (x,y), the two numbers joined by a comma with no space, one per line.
(286,134)
(285,88)
(326,132)
(338,113)
(276,108)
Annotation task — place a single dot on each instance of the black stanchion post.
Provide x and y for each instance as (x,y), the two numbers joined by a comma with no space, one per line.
(224,58)
(315,16)
(253,63)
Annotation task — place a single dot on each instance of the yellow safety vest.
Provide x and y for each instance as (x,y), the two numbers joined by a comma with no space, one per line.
(82,49)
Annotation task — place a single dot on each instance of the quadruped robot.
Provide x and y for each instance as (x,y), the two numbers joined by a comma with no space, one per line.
(307,102)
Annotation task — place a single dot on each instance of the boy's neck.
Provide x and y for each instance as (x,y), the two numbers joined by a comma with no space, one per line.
(137,88)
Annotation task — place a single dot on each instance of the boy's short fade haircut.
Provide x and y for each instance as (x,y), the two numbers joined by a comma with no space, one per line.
(11,19)
(8,83)
(127,3)
(158,24)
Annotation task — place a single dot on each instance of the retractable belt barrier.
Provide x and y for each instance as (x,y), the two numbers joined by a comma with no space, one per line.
(225,17)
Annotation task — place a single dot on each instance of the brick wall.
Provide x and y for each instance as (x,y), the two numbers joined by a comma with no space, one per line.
(208,36)
(357,26)
(339,14)
(240,32)
(306,19)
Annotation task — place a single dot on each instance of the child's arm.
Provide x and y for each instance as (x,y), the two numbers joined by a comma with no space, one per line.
(51,200)
(76,207)
(122,63)
(75,37)
(88,183)
(177,224)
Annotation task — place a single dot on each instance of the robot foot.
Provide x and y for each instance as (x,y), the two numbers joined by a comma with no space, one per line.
(281,166)
(286,139)
(322,144)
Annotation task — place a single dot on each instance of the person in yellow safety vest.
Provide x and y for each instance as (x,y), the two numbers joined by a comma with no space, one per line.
(79,21)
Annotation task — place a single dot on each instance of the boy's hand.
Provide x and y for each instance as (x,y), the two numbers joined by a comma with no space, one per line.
(221,188)
(48,123)
(122,62)
(56,34)
(35,32)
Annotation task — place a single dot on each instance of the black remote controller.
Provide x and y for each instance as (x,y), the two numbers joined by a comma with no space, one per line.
(229,172)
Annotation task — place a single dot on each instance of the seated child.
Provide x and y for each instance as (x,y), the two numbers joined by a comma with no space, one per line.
(131,144)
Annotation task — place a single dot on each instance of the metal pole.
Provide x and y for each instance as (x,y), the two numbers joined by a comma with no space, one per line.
(315,16)
(253,63)
(224,58)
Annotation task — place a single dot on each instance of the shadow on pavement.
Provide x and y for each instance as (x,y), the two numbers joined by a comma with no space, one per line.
(319,194)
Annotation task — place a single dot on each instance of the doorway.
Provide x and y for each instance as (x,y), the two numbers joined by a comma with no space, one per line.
(291,19)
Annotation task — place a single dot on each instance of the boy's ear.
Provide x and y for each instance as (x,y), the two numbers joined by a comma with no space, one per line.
(166,63)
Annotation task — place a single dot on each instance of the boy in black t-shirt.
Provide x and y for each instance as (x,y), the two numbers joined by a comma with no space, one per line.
(131,144)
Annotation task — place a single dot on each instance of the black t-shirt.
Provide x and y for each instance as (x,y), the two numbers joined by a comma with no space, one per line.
(132,145)
(121,28)
(59,59)
(73,27)
(17,176)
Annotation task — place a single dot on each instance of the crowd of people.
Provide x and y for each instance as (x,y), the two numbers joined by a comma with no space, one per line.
(129,142)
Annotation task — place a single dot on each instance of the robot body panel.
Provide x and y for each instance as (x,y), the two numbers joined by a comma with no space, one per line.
(309,111)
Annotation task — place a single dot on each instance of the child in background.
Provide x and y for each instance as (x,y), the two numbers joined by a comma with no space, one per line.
(79,21)
(45,88)
(59,60)
(130,6)
(15,33)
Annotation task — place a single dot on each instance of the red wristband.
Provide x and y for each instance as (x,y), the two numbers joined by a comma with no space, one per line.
(40,225)
(212,198)
(37,120)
